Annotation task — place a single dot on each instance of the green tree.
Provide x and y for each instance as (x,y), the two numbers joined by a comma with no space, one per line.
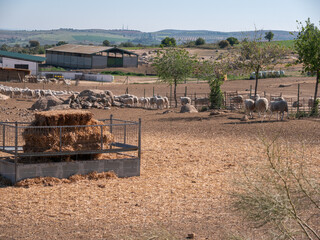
(34,43)
(214,74)
(255,55)
(232,41)
(223,44)
(200,41)
(106,43)
(168,42)
(269,36)
(307,45)
(4,47)
(173,66)
(61,43)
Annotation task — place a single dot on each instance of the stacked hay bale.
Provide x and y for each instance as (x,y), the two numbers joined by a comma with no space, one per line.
(48,138)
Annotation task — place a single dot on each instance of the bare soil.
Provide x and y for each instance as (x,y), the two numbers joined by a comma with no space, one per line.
(189,165)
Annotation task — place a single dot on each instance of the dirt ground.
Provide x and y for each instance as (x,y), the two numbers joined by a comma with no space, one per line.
(190,163)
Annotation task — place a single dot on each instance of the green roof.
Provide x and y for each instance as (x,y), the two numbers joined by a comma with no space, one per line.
(22,56)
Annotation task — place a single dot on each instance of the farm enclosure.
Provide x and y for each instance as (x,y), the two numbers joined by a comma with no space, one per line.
(188,165)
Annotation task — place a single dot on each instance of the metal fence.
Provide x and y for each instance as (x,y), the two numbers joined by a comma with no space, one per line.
(126,135)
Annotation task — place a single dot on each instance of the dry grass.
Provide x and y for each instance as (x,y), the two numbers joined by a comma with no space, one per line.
(189,164)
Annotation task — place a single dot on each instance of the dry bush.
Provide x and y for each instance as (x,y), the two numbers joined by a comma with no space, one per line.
(282,195)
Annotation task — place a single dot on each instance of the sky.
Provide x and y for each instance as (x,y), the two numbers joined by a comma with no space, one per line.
(150,16)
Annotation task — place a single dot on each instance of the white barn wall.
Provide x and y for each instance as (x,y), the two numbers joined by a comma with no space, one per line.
(90,77)
(10,62)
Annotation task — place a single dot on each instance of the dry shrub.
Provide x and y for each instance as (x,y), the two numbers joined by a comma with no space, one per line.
(51,181)
(282,195)
(72,138)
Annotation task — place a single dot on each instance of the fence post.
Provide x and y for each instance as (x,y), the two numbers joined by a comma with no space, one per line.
(16,152)
(111,116)
(127,90)
(298,108)
(60,138)
(124,133)
(139,140)
(170,95)
(250,91)
(185,91)
(144,93)
(4,136)
(153,92)
(101,137)
(225,99)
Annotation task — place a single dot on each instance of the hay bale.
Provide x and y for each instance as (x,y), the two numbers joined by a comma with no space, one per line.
(84,137)
(45,102)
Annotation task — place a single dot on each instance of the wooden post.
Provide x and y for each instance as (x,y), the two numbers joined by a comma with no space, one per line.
(144,93)
(298,98)
(153,92)
(170,99)
(185,91)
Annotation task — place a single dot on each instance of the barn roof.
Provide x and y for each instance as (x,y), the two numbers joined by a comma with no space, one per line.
(87,49)
(21,56)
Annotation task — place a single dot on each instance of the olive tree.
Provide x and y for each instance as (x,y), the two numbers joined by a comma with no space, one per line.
(255,55)
(307,45)
(173,66)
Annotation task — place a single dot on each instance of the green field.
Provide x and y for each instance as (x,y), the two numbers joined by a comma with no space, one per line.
(99,39)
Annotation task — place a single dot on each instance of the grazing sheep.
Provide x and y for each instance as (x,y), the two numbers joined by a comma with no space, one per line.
(135,101)
(201,101)
(249,107)
(160,102)
(128,101)
(153,101)
(185,100)
(261,106)
(279,106)
(166,102)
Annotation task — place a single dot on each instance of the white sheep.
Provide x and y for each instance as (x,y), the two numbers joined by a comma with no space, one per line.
(160,102)
(153,101)
(249,107)
(261,106)
(185,100)
(279,106)
(166,102)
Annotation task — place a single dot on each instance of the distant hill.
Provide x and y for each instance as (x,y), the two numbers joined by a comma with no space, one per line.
(97,36)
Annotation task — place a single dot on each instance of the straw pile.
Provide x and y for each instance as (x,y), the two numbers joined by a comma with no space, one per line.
(80,138)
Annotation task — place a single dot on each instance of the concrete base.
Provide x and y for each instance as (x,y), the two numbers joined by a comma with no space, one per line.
(127,167)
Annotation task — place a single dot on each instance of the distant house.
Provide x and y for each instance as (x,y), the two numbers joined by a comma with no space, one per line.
(20,61)
(88,57)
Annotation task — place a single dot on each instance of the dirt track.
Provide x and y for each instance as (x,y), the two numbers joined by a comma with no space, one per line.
(189,163)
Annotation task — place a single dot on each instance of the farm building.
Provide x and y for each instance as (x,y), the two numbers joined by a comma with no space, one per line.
(8,74)
(20,61)
(87,57)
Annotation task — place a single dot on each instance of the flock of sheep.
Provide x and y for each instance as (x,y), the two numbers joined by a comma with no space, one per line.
(15,92)
(261,105)
(155,102)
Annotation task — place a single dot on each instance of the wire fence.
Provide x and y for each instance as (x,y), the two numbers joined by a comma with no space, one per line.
(113,136)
